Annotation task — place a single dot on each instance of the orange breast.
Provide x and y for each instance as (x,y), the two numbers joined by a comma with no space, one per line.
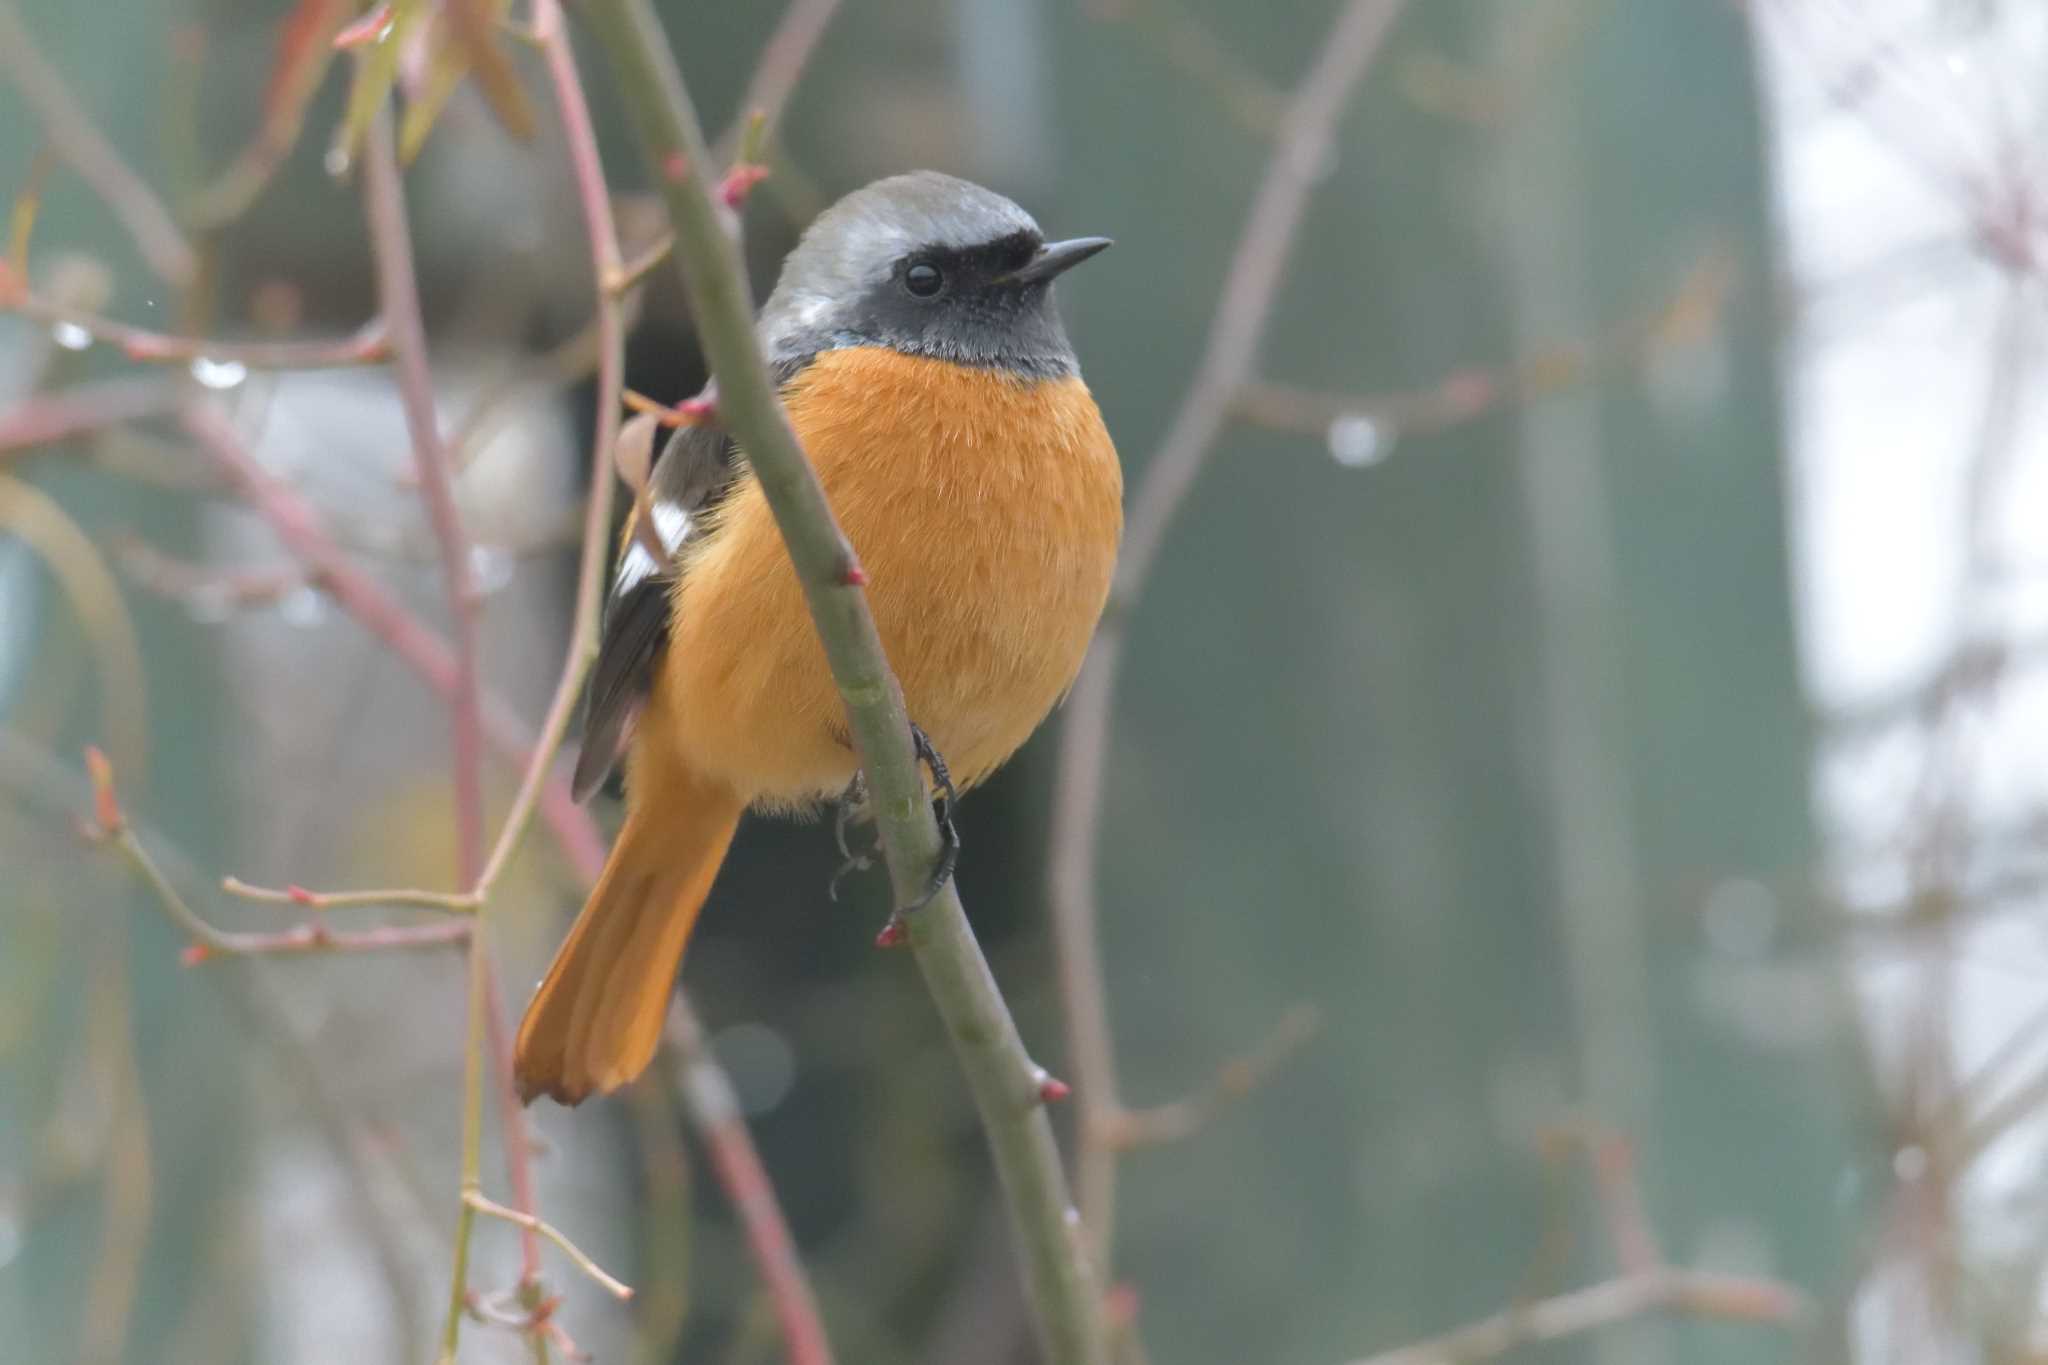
(986,512)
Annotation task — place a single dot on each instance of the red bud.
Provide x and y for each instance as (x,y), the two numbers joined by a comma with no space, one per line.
(739,182)
(105,808)
(369,29)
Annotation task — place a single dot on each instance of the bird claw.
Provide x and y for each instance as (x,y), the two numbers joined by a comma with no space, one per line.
(944,799)
(853,810)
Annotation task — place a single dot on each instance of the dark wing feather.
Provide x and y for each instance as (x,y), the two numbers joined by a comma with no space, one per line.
(690,475)
(635,629)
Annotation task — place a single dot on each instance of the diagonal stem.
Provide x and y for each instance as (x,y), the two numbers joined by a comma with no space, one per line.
(999,1071)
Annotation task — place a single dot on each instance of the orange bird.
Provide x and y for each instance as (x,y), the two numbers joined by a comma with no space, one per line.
(926,371)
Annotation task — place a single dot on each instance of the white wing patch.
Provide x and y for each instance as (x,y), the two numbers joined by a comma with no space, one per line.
(672,525)
(635,565)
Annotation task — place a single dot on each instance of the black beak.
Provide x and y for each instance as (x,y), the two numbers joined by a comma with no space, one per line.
(1055,258)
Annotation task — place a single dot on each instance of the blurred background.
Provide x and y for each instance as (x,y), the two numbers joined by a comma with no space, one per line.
(1576,775)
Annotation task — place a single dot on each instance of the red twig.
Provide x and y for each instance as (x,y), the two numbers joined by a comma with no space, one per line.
(398,302)
(364,346)
(208,941)
(399,305)
(42,419)
(715,1112)
(721,1125)
(1257,268)
(298,527)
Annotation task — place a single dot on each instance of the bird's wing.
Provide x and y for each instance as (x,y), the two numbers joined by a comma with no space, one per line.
(688,479)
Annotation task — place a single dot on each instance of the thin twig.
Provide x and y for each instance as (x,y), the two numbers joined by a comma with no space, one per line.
(783,59)
(1228,362)
(613,1286)
(704,1084)
(399,305)
(36,778)
(42,419)
(1688,1293)
(209,941)
(199,585)
(86,150)
(34,520)
(534,381)
(472,1116)
(1181,1119)
(1001,1074)
(299,529)
(364,346)
(455,902)
(1694,307)
(715,1112)
(610,337)
(305,50)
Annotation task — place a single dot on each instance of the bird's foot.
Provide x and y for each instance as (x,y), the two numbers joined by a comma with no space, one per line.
(944,798)
(853,810)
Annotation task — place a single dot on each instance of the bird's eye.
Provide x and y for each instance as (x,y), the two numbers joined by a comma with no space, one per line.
(923,279)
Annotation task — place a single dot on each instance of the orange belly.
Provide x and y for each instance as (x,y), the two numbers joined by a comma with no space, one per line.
(986,512)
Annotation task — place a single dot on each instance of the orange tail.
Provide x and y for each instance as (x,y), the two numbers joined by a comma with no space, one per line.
(597,1017)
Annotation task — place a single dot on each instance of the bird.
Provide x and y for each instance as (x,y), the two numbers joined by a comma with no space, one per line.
(920,354)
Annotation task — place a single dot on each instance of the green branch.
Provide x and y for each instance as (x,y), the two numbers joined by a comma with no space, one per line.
(1005,1082)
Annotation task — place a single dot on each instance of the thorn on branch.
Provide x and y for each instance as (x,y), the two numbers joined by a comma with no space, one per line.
(106,809)
(895,933)
(701,411)
(739,182)
(374,27)
(1051,1089)
(851,574)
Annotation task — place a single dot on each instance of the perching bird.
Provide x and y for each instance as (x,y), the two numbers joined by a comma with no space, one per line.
(926,371)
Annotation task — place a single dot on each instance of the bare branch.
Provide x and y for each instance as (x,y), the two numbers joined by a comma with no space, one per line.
(47,418)
(86,150)
(715,1112)
(208,941)
(783,59)
(618,1289)
(1688,1293)
(398,303)
(1231,353)
(999,1070)
(1183,1118)
(364,346)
